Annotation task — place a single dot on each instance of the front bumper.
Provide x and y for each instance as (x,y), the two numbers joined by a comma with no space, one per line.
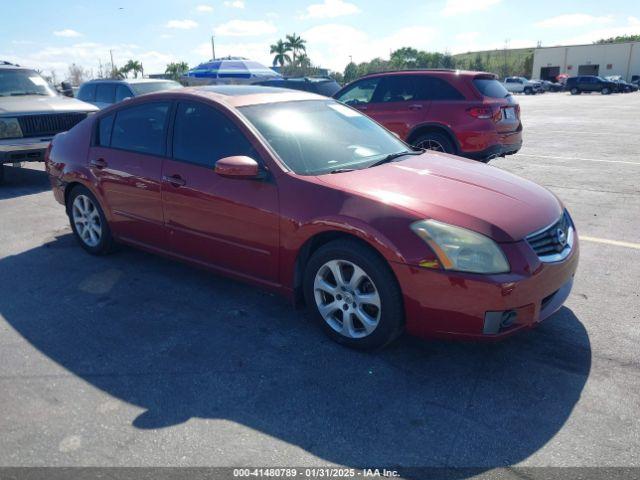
(23,150)
(465,306)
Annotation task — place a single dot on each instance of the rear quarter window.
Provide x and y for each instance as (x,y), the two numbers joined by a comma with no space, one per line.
(490,87)
(103,133)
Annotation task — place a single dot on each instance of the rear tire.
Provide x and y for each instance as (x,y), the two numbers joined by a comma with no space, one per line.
(605,91)
(361,302)
(435,141)
(88,222)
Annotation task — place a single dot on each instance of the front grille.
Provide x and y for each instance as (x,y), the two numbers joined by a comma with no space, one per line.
(49,124)
(554,242)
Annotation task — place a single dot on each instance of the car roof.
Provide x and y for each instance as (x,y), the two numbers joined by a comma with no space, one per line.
(238,95)
(432,71)
(128,81)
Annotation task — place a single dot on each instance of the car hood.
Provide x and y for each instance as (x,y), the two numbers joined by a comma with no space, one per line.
(30,104)
(461,192)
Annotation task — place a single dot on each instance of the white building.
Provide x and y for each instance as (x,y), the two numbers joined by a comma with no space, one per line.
(594,59)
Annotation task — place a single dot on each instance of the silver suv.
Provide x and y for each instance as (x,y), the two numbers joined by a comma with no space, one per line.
(31,113)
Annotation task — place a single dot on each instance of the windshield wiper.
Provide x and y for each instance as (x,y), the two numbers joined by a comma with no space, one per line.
(342,170)
(392,156)
(20,94)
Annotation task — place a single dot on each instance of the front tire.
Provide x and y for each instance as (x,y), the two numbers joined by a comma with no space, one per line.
(575,91)
(528,91)
(605,91)
(88,222)
(435,141)
(354,295)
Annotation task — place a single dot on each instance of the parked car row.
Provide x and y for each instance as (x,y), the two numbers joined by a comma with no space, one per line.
(593,83)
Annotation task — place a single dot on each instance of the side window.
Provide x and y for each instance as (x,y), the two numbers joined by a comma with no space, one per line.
(87,93)
(510,80)
(122,92)
(437,89)
(359,93)
(105,127)
(397,88)
(203,135)
(105,93)
(141,128)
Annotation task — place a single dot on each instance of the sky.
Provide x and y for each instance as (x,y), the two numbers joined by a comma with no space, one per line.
(50,35)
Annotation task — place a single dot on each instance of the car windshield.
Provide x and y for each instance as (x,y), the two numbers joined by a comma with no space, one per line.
(15,83)
(150,87)
(315,137)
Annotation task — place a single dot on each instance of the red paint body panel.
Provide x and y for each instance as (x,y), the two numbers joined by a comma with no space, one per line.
(255,229)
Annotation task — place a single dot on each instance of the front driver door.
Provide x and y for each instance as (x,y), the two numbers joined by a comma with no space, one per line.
(230,224)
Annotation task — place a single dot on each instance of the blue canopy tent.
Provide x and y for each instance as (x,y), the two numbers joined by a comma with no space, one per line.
(230,69)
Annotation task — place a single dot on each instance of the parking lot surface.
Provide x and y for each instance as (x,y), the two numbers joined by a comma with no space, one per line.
(136,360)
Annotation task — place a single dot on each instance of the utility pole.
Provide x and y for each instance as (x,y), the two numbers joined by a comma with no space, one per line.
(113,67)
(213,47)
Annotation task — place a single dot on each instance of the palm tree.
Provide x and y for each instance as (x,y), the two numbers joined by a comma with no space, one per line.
(303,60)
(133,66)
(175,70)
(296,44)
(281,53)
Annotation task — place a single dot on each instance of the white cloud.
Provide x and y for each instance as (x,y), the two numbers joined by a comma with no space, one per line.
(204,8)
(458,7)
(234,4)
(245,28)
(67,32)
(632,27)
(182,24)
(330,9)
(332,45)
(258,51)
(574,20)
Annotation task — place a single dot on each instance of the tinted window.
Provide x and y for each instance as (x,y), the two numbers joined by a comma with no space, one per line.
(141,128)
(437,89)
(122,92)
(397,88)
(359,93)
(202,135)
(327,88)
(490,87)
(87,93)
(150,87)
(105,93)
(105,126)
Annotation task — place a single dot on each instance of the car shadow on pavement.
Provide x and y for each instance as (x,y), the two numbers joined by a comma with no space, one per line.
(23,181)
(183,343)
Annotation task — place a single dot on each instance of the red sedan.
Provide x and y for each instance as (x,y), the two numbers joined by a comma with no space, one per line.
(306,196)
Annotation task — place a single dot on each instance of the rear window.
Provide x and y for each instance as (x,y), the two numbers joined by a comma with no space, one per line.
(490,87)
(87,92)
(150,87)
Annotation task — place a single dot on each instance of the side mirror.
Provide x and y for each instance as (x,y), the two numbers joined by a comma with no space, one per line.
(238,167)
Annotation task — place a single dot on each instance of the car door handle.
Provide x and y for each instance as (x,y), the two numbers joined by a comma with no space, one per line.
(175,180)
(415,107)
(99,163)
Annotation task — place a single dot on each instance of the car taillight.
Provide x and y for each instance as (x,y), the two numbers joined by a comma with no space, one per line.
(481,112)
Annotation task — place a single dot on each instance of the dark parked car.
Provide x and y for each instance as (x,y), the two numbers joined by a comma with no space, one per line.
(548,86)
(470,114)
(325,86)
(103,93)
(589,84)
(308,197)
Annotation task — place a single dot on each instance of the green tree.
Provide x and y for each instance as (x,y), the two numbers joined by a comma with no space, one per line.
(281,51)
(620,39)
(176,69)
(478,64)
(295,44)
(350,72)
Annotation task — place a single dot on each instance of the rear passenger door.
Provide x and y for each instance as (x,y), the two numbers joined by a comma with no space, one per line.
(398,105)
(447,103)
(126,159)
(228,223)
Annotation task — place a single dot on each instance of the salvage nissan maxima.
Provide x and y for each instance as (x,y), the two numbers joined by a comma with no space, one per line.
(306,196)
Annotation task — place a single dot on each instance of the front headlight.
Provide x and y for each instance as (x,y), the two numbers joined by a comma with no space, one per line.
(461,249)
(10,128)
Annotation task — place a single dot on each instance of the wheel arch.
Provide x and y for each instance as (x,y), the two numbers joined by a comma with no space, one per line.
(316,241)
(434,127)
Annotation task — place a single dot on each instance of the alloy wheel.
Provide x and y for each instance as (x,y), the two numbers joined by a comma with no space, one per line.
(347,298)
(86,219)
(431,144)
